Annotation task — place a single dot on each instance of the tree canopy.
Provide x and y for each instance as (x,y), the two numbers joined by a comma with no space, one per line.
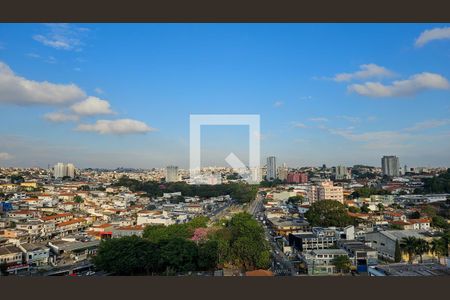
(327,213)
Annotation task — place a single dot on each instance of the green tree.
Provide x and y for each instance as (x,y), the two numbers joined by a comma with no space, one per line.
(342,263)
(408,245)
(439,247)
(127,256)
(398,252)
(354,209)
(208,255)
(296,200)
(422,247)
(440,222)
(415,215)
(380,207)
(78,199)
(327,213)
(365,208)
(179,254)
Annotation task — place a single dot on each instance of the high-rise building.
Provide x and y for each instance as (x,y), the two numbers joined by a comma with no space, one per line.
(171,174)
(390,166)
(61,170)
(271,168)
(70,170)
(342,173)
(283,172)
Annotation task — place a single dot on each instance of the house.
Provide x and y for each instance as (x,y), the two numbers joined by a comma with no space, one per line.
(361,255)
(58,218)
(420,224)
(35,254)
(154,217)
(127,231)
(319,262)
(10,255)
(69,250)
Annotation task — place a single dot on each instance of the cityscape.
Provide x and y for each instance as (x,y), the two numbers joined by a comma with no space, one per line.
(343,170)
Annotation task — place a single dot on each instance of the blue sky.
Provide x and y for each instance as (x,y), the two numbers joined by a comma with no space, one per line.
(111,95)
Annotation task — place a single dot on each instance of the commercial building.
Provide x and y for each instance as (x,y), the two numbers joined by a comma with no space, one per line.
(390,166)
(320,262)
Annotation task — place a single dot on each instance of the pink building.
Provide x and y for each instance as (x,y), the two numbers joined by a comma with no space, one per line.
(296,177)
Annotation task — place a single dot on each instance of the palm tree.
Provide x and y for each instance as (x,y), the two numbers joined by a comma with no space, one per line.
(438,247)
(408,245)
(422,247)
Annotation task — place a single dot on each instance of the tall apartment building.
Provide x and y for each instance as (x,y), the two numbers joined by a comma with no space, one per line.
(297,177)
(390,166)
(342,173)
(271,168)
(283,172)
(171,174)
(327,191)
(61,170)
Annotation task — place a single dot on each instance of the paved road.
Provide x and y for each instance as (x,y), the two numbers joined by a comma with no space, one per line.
(281,265)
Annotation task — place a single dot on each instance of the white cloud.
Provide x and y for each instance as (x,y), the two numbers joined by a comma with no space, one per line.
(92,106)
(433,35)
(278,104)
(19,90)
(429,124)
(306,98)
(98,91)
(319,119)
(299,125)
(351,119)
(119,127)
(59,117)
(62,36)
(402,88)
(5,156)
(367,71)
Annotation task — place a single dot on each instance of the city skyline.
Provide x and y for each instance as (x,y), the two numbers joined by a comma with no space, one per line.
(107,96)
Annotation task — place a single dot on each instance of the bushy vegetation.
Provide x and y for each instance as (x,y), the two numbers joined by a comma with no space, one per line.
(167,250)
(240,192)
(438,184)
(328,213)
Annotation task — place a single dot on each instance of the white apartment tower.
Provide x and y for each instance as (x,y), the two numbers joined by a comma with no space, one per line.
(271,168)
(171,174)
(390,166)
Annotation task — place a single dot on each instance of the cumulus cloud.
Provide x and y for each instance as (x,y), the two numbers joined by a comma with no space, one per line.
(366,71)
(92,106)
(5,156)
(62,36)
(119,127)
(402,88)
(19,90)
(59,117)
(433,35)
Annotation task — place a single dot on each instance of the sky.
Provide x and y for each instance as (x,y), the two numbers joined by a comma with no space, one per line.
(120,95)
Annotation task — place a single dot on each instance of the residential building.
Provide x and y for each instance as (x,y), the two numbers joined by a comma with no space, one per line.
(297,177)
(35,254)
(390,166)
(271,168)
(327,191)
(171,174)
(342,173)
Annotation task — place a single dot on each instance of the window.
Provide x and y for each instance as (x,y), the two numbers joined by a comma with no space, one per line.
(382,244)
